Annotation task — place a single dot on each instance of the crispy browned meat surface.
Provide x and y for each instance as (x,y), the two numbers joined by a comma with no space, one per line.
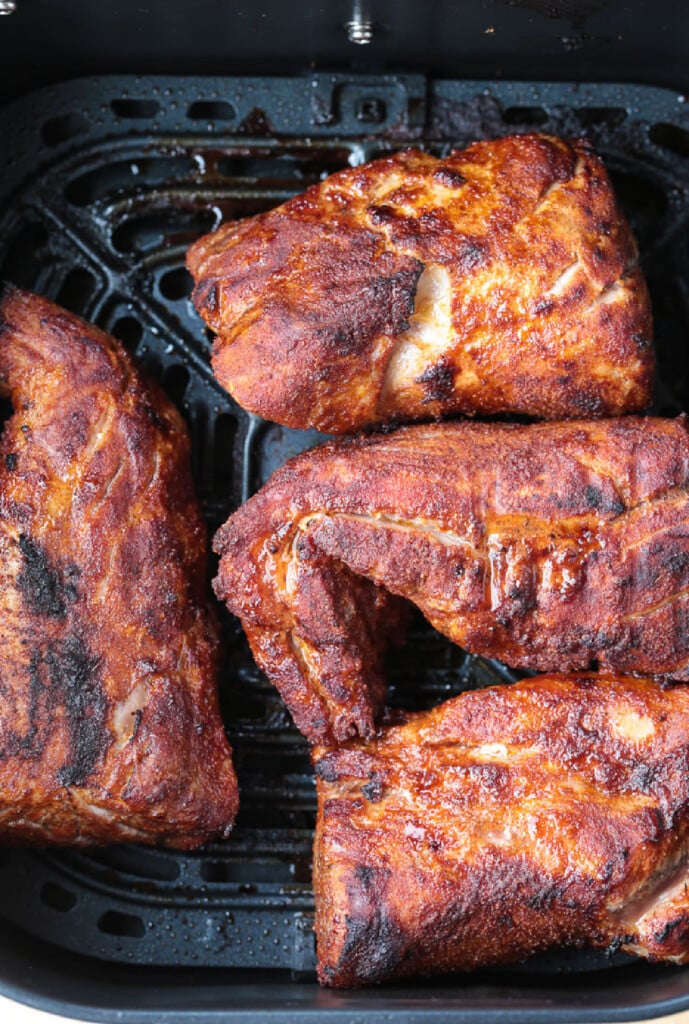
(506,821)
(552,546)
(502,278)
(109,724)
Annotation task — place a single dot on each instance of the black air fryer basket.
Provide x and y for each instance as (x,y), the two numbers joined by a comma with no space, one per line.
(126,131)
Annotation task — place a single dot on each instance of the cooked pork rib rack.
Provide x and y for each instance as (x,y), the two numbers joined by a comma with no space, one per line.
(507,820)
(553,546)
(109,724)
(502,278)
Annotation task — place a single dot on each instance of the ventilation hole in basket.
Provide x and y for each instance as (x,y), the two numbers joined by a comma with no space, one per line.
(304,165)
(60,129)
(176,381)
(112,178)
(129,331)
(670,136)
(176,284)
(225,431)
(214,871)
(210,335)
(211,110)
(525,115)
(153,230)
(135,108)
(113,922)
(76,290)
(591,117)
(280,168)
(132,860)
(243,872)
(23,261)
(57,898)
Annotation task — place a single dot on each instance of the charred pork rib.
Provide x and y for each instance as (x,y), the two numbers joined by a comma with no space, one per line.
(508,820)
(502,278)
(553,546)
(109,724)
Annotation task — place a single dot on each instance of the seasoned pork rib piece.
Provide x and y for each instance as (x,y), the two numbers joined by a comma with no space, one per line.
(552,546)
(506,821)
(502,278)
(109,722)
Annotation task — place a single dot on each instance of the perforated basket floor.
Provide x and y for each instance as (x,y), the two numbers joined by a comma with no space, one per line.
(103,185)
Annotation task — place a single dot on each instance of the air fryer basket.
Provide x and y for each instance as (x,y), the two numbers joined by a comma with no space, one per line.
(103,185)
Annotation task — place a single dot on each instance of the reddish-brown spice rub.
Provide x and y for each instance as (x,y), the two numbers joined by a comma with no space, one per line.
(504,822)
(109,722)
(553,546)
(502,278)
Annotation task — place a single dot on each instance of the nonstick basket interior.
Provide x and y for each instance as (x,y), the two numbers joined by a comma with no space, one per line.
(103,185)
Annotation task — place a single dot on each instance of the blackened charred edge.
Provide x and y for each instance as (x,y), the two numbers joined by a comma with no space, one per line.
(374,946)
(449,177)
(438,381)
(374,941)
(404,287)
(618,942)
(544,898)
(138,717)
(595,499)
(326,768)
(27,745)
(643,778)
(11,461)
(373,789)
(471,255)
(676,929)
(149,410)
(41,583)
(587,404)
(205,297)
(643,344)
(380,215)
(408,280)
(389,427)
(365,874)
(543,307)
(76,689)
(64,691)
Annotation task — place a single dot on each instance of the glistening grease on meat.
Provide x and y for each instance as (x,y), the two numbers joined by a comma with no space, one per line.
(504,822)
(552,546)
(109,723)
(502,278)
